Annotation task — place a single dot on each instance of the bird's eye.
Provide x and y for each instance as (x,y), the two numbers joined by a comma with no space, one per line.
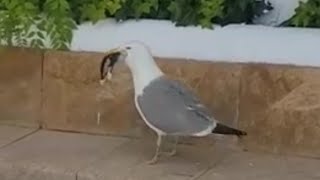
(128,47)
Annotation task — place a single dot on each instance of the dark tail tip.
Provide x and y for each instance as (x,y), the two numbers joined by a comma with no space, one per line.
(223,129)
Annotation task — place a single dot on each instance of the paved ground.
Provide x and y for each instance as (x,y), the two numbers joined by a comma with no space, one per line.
(46,155)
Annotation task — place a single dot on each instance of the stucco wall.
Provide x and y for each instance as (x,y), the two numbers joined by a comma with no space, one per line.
(279,106)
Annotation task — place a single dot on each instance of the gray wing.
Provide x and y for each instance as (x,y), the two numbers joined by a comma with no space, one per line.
(173,108)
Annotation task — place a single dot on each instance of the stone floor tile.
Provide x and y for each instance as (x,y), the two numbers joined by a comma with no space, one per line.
(245,165)
(50,155)
(9,134)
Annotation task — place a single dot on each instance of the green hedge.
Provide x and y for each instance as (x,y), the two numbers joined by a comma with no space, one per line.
(182,12)
(307,15)
(22,20)
(56,19)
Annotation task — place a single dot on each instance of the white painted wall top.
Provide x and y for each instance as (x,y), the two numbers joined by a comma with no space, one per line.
(233,43)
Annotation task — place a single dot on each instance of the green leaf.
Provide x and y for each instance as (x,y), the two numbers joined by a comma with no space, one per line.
(40,35)
(175,10)
(12,4)
(208,10)
(68,35)
(141,7)
(29,6)
(206,23)
(71,24)
(31,34)
(41,25)
(63,46)
(93,13)
(33,42)
(24,42)
(40,43)
(184,12)
(37,18)
(113,6)
(64,4)
(54,5)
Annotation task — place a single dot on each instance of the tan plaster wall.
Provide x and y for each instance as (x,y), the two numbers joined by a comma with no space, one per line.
(279,106)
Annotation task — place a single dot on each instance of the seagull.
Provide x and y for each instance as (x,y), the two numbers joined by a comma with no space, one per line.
(167,106)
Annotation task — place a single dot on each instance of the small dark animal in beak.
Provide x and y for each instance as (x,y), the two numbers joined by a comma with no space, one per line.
(111,59)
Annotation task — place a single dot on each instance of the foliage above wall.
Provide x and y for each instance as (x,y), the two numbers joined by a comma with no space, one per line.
(38,22)
(182,12)
(307,14)
(33,20)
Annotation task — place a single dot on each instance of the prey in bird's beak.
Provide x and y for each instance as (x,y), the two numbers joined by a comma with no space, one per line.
(108,63)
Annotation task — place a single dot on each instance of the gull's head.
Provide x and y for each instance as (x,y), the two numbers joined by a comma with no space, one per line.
(128,53)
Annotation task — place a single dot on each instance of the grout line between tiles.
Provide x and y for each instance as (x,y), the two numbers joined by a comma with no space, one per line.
(19,139)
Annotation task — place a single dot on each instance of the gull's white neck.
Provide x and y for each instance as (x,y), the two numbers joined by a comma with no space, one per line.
(143,69)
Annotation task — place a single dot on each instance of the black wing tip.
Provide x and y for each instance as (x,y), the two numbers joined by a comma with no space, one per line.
(223,129)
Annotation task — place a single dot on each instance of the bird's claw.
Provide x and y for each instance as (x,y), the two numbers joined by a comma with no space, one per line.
(153,161)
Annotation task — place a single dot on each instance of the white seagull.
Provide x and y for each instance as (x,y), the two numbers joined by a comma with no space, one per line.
(167,106)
